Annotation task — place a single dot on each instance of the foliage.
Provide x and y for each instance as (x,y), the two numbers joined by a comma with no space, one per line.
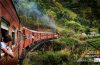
(69,41)
(47,58)
(52,58)
(73,25)
(83,12)
(58,46)
(95,43)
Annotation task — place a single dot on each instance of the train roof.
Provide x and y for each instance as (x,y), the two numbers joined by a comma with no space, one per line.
(37,31)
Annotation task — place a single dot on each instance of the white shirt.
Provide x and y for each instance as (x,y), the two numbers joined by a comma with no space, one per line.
(3,45)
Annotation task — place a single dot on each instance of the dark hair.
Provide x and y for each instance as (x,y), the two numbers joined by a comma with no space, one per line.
(7,38)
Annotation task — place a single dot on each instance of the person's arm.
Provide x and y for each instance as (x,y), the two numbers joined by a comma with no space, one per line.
(7,52)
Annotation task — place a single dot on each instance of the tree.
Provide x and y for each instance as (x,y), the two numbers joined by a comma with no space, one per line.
(73,25)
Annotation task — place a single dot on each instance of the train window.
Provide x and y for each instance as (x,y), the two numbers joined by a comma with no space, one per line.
(28,36)
(20,35)
(33,34)
(4,27)
(13,35)
(4,24)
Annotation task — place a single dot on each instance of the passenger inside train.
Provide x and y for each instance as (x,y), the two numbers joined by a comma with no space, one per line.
(4,45)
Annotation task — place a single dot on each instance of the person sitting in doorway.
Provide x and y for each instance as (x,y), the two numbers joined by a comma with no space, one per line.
(4,45)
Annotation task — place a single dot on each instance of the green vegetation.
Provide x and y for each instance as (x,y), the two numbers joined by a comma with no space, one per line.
(81,13)
(65,51)
(77,14)
(95,43)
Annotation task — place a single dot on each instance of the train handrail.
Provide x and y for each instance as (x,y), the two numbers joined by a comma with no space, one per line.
(0,37)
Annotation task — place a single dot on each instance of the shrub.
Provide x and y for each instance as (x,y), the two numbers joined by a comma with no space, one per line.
(95,42)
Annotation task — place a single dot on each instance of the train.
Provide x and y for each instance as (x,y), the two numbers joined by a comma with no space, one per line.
(22,37)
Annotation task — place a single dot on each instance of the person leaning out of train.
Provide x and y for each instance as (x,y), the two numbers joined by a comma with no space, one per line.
(5,46)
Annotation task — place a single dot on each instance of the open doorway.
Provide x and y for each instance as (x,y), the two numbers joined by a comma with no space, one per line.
(4,32)
(4,27)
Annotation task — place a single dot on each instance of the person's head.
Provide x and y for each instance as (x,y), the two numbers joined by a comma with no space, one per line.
(7,39)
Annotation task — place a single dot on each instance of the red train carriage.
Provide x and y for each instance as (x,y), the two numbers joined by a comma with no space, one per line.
(9,25)
(8,19)
(22,37)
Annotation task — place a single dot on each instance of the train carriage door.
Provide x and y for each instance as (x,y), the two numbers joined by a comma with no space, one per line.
(13,35)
